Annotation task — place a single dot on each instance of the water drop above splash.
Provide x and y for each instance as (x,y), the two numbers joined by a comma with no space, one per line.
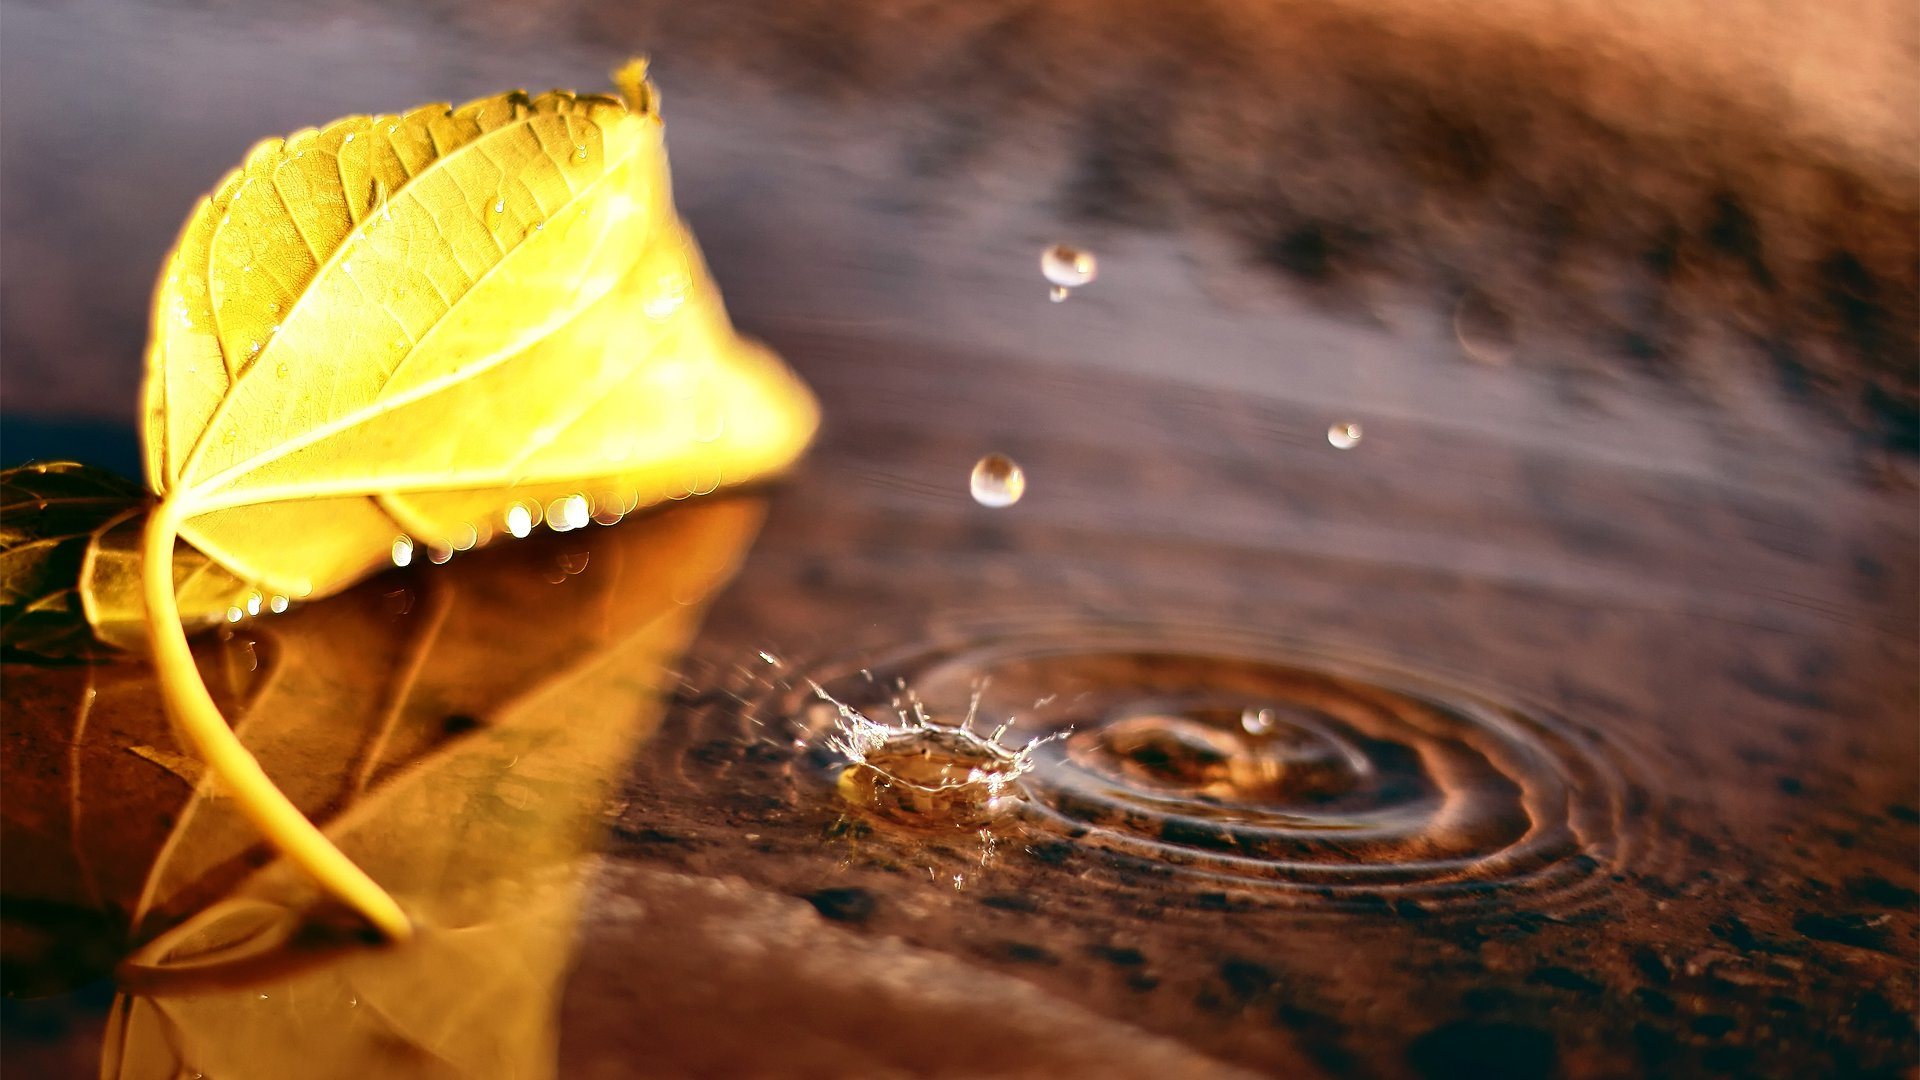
(997,481)
(1066,268)
(1344,434)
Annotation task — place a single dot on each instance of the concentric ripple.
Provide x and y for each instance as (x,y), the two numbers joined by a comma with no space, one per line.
(1240,762)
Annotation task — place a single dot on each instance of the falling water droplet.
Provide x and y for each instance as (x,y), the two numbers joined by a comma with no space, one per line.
(402,551)
(1257,721)
(519,520)
(465,537)
(253,603)
(234,614)
(1067,268)
(1344,434)
(438,555)
(278,604)
(997,481)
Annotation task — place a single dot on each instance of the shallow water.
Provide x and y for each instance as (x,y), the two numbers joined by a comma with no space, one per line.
(1564,725)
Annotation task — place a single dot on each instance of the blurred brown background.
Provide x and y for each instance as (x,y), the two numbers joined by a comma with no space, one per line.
(1717,196)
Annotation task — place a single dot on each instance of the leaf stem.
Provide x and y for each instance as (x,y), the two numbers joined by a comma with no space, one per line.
(194,710)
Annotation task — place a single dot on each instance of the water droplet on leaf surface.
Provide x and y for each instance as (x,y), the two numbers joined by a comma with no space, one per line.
(519,520)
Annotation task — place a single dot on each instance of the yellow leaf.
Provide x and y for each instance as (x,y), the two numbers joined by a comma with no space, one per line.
(364,319)
(397,326)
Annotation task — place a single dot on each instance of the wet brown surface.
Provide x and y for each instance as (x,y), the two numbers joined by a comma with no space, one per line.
(1637,473)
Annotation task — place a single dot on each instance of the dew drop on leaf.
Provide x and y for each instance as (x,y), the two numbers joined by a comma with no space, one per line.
(519,521)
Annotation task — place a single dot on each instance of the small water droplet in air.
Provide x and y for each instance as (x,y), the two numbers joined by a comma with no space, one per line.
(402,551)
(1059,293)
(234,614)
(997,481)
(1066,268)
(253,603)
(1344,434)
(499,206)
(278,604)
(519,520)
(438,555)
(1256,721)
(465,537)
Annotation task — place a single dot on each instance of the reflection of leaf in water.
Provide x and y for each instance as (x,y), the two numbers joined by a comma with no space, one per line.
(69,557)
(461,751)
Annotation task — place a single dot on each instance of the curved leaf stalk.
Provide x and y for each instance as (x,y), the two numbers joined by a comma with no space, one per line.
(192,707)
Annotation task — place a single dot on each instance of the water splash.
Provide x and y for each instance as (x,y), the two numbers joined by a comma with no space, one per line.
(1217,759)
(919,771)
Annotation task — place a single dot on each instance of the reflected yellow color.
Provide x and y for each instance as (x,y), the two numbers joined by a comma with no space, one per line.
(462,754)
(397,324)
(70,564)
